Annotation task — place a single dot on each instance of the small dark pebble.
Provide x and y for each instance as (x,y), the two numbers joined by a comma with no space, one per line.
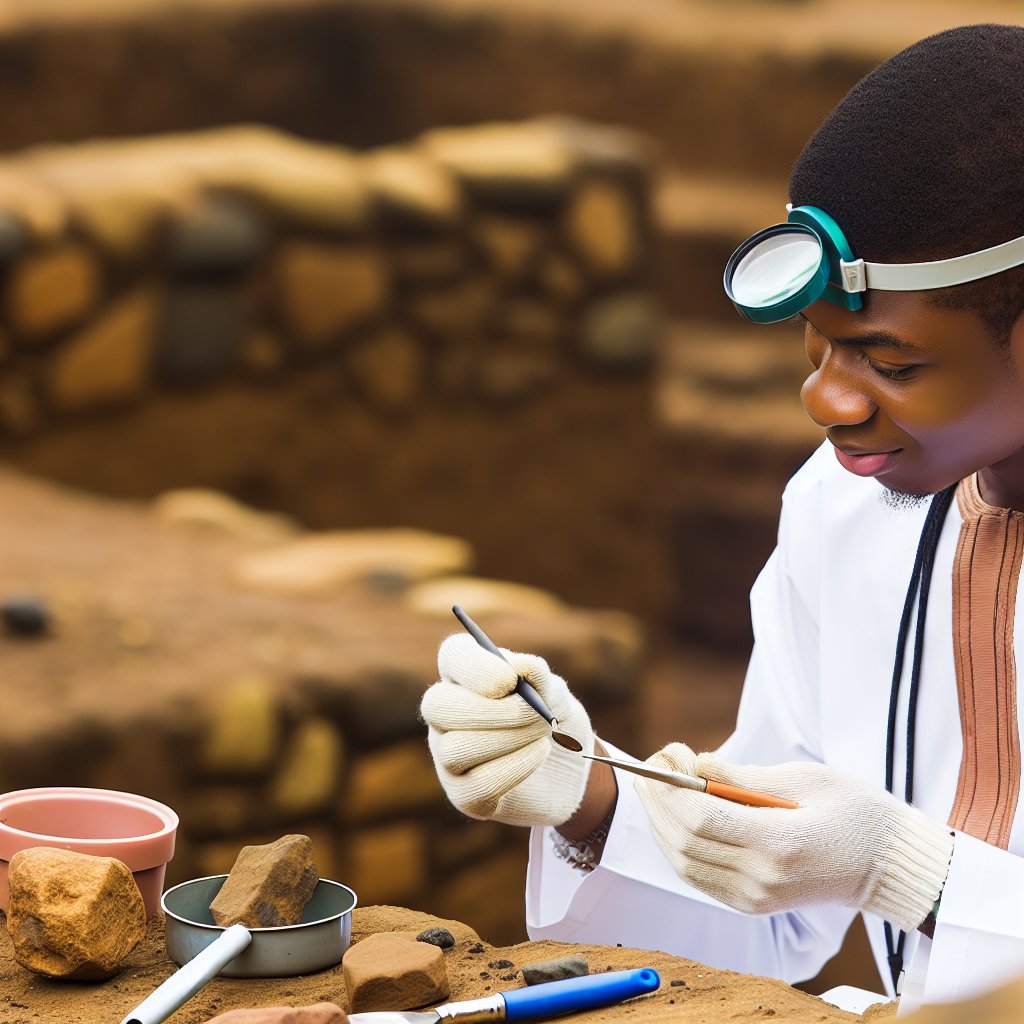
(671,1002)
(25,616)
(500,965)
(487,988)
(509,977)
(485,974)
(437,937)
(619,944)
(676,984)
(555,970)
(477,947)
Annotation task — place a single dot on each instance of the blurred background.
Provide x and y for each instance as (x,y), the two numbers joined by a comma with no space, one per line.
(318,316)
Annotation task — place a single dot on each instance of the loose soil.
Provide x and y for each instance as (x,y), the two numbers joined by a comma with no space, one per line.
(690,993)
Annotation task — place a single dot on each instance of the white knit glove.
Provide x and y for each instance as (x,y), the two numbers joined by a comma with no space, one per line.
(845,844)
(493,753)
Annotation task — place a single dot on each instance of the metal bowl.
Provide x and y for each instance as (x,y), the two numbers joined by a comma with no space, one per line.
(316,943)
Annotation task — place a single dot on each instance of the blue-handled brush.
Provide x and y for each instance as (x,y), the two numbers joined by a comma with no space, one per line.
(570,995)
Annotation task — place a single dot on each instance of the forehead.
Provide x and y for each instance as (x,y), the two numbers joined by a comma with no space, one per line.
(902,320)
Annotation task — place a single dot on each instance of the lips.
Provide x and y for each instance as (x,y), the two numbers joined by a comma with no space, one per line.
(862,463)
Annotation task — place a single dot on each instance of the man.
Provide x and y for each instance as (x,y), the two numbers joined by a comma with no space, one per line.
(884,622)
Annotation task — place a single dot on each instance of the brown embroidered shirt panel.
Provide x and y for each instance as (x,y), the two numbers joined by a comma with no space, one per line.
(985,575)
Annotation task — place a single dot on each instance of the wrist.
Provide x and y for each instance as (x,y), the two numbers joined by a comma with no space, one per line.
(598,804)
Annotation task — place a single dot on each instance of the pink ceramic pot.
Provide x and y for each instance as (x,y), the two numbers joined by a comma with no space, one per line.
(134,829)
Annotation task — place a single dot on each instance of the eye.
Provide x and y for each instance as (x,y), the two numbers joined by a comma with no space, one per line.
(905,372)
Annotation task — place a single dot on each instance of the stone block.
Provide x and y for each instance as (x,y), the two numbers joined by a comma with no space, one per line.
(516,376)
(200,332)
(512,166)
(410,190)
(318,1013)
(326,290)
(429,261)
(51,290)
(214,237)
(601,226)
(396,780)
(387,864)
(388,369)
(220,810)
(388,971)
(39,208)
(306,780)
(485,597)
(268,886)
(20,409)
(322,562)
(510,244)
(204,509)
(448,313)
(621,330)
(244,730)
(108,361)
(72,915)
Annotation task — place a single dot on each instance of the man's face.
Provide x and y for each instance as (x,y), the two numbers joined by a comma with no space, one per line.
(918,396)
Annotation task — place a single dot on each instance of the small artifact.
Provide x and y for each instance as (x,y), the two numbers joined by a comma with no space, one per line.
(440,937)
(268,886)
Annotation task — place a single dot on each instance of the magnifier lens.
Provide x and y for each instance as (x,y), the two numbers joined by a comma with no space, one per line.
(776,269)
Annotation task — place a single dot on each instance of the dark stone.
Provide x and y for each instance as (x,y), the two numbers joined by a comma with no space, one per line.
(25,616)
(555,970)
(201,331)
(437,937)
(12,237)
(221,236)
(501,965)
(477,947)
(676,984)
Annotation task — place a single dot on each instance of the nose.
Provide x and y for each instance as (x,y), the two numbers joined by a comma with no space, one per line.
(831,395)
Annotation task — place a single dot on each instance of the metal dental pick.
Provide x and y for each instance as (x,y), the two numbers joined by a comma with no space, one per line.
(523,688)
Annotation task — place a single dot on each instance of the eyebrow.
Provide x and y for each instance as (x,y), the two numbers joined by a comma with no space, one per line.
(871,339)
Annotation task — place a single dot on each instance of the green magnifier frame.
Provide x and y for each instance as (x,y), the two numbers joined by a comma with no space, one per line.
(825,282)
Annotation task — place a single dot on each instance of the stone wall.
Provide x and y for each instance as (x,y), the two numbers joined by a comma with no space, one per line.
(262,680)
(456,333)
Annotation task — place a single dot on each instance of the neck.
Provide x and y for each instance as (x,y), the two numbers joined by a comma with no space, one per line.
(1002,484)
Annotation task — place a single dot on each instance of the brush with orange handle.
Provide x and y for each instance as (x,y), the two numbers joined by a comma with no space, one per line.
(683,781)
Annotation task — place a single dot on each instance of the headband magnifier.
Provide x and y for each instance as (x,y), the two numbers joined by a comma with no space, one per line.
(781,270)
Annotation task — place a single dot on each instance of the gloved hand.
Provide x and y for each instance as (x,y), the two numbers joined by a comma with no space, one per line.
(845,844)
(493,753)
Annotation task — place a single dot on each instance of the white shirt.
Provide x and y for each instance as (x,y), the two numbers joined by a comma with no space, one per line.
(826,610)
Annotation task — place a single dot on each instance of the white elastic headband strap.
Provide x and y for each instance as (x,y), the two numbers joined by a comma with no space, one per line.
(858,276)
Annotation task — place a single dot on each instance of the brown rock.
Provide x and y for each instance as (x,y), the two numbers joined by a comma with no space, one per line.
(268,886)
(392,972)
(107,361)
(52,290)
(327,289)
(72,915)
(388,368)
(411,189)
(311,764)
(318,1013)
(601,225)
(244,729)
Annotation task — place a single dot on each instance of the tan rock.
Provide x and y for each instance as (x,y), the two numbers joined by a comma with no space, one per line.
(51,290)
(387,864)
(459,310)
(305,183)
(108,361)
(72,915)
(560,278)
(327,289)
(526,159)
(510,243)
(39,207)
(601,225)
(410,186)
(318,1013)
(323,562)
(218,512)
(394,780)
(484,596)
(268,885)
(388,369)
(391,972)
(244,731)
(306,781)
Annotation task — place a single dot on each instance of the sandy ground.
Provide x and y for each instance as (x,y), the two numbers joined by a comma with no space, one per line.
(690,993)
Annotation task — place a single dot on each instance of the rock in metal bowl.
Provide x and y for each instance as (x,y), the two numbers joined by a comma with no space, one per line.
(316,943)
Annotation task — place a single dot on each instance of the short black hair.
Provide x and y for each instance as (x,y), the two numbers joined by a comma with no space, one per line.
(924,159)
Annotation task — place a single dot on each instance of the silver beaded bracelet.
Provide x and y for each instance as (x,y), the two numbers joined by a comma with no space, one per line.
(581,854)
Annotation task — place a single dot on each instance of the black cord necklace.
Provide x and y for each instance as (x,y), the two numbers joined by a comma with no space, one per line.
(920,582)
